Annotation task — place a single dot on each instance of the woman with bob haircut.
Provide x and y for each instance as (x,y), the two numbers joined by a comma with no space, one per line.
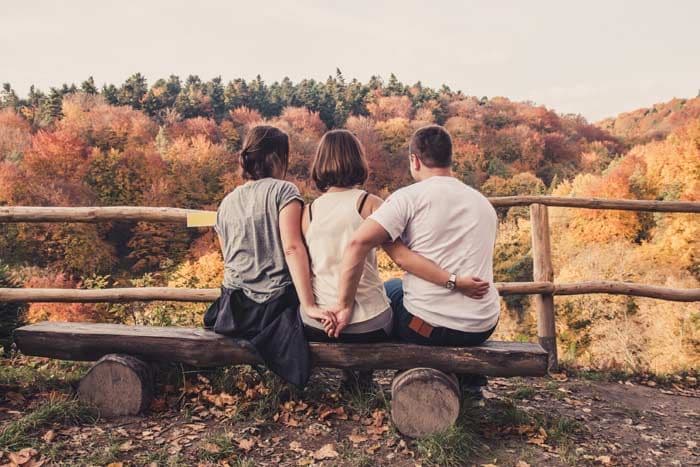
(266,266)
(339,170)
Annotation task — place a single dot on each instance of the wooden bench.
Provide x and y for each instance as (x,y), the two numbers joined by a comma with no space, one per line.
(425,398)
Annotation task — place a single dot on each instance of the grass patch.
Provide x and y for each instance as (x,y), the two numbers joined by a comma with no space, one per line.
(40,375)
(506,413)
(354,456)
(18,434)
(217,447)
(364,401)
(266,404)
(560,433)
(161,457)
(106,454)
(243,462)
(523,392)
(452,447)
(562,428)
(227,378)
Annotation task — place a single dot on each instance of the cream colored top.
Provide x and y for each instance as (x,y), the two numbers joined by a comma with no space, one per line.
(334,219)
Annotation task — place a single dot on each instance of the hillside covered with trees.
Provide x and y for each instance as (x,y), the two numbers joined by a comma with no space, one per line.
(174,143)
(654,123)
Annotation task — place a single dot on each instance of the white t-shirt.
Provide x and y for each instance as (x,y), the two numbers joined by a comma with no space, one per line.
(455,226)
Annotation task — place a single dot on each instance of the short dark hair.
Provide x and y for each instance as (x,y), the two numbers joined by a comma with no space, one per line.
(340,161)
(265,151)
(433,146)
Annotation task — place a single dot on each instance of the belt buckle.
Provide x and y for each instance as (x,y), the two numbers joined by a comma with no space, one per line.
(420,327)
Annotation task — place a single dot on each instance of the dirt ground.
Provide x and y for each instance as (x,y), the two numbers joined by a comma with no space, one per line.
(237,416)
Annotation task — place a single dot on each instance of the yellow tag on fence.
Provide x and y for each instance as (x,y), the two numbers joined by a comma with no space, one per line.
(201,219)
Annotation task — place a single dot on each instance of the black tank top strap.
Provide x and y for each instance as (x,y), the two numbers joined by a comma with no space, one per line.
(310,215)
(365,195)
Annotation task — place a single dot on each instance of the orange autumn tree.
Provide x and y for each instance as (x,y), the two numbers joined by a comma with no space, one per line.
(628,332)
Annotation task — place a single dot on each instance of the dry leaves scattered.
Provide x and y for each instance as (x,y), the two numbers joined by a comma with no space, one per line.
(27,457)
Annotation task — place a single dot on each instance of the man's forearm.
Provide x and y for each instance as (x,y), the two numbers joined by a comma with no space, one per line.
(416,264)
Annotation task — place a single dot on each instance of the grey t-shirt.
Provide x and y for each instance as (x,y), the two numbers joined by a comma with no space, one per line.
(247,222)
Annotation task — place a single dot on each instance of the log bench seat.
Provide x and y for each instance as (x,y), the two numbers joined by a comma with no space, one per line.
(120,383)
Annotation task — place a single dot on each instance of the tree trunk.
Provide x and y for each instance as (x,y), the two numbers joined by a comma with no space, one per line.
(118,385)
(424,401)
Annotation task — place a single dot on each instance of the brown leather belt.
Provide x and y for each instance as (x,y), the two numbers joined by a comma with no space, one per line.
(420,327)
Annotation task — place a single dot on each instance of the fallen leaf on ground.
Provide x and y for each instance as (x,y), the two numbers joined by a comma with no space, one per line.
(49,436)
(522,464)
(327,451)
(295,446)
(372,449)
(355,439)
(211,448)
(23,456)
(246,444)
(126,446)
(538,438)
(605,460)
(339,412)
(378,417)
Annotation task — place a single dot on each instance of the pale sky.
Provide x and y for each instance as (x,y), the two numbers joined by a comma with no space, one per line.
(596,58)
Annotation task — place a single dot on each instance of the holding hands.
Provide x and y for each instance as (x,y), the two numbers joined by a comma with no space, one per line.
(337,318)
(325,317)
(334,320)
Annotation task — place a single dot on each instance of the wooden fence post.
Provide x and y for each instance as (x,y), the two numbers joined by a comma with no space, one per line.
(543,272)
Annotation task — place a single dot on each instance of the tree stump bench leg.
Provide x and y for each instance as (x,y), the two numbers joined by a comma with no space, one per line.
(118,385)
(424,401)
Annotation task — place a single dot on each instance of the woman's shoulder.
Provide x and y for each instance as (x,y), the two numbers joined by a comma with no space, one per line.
(229,197)
(280,185)
(371,204)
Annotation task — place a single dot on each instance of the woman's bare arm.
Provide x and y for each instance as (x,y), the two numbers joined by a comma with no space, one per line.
(298,259)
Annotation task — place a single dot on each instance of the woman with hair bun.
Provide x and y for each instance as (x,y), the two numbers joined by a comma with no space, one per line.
(266,266)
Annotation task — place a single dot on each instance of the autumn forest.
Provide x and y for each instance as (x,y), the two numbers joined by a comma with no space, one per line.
(174,143)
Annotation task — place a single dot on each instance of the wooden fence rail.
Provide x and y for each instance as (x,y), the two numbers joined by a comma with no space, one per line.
(177,294)
(178,215)
(543,286)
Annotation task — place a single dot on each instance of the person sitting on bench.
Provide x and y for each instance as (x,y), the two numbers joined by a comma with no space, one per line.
(328,223)
(446,221)
(266,266)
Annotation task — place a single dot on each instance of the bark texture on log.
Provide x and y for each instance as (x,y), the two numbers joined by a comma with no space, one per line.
(118,385)
(424,401)
(202,348)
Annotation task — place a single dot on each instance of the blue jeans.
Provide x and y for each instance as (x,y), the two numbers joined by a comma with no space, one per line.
(439,336)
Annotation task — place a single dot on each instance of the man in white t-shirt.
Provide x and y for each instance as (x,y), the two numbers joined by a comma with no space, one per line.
(448,222)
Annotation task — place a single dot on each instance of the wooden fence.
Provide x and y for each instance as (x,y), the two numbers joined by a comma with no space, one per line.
(543,287)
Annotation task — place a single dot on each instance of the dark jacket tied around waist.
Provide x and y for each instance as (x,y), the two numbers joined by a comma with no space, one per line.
(274,328)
